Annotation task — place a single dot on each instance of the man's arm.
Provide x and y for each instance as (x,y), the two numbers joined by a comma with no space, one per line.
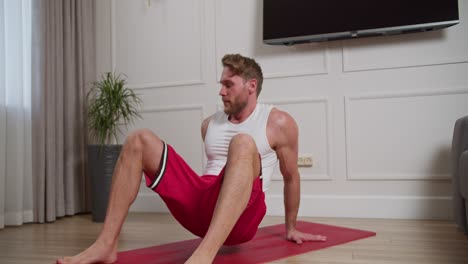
(283,129)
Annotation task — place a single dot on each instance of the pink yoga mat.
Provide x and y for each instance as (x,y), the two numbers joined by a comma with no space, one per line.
(269,244)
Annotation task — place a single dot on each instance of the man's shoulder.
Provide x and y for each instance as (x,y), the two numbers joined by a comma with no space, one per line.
(206,121)
(204,125)
(216,115)
(279,118)
(281,129)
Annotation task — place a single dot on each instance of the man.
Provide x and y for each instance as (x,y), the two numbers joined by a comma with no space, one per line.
(243,144)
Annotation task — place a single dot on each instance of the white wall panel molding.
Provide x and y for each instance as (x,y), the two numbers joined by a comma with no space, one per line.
(409,94)
(367,206)
(174,108)
(185,138)
(385,53)
(438,47)
(316,134)
(298,73)
(320,60)
(193,108)
(401,136)
(164,84)
(382,207)
(276,61)
(193,67)
(369,67)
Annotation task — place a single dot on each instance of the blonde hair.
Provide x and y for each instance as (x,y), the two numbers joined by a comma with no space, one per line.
(245,67)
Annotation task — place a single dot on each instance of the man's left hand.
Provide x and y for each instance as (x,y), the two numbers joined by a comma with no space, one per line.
(300,237)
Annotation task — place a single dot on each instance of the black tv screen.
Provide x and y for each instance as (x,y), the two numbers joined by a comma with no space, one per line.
(300,21)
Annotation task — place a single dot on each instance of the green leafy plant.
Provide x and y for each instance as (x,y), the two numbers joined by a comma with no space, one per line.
(111,105)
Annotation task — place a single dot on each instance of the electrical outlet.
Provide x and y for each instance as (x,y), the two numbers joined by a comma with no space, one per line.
(300,161)
(308,161)
(304,161)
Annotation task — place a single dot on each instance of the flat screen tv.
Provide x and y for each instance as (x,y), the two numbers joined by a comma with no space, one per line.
(288,22)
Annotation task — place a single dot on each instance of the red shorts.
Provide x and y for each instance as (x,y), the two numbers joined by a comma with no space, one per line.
(192,198)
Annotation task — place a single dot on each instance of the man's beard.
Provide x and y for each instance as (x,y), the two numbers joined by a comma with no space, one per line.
(235,108)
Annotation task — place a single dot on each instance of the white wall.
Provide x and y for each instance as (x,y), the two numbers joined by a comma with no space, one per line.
(376,114)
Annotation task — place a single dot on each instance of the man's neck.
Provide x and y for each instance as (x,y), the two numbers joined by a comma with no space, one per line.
(242,115)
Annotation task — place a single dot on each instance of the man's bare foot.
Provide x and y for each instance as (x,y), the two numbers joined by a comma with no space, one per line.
(96,253)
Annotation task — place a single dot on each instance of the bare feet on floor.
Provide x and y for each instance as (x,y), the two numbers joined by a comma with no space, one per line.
(96,253)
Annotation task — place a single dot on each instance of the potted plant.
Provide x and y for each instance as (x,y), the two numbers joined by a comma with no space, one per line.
(111,105)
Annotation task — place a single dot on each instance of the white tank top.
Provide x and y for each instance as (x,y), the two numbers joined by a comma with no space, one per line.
(221,130)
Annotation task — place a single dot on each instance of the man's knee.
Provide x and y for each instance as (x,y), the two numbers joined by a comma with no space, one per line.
(242,146)
(137,140)
(243,142)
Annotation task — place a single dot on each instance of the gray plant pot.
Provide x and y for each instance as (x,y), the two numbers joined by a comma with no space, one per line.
(101,163)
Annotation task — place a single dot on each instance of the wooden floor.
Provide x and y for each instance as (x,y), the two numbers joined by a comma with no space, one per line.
(397,241)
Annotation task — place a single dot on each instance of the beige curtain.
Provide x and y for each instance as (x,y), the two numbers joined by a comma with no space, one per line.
(63,67)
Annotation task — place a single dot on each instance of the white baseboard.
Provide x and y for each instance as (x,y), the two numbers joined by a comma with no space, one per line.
(390,207)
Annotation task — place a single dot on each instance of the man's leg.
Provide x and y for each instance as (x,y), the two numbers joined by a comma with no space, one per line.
(243,166)
(141,151)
